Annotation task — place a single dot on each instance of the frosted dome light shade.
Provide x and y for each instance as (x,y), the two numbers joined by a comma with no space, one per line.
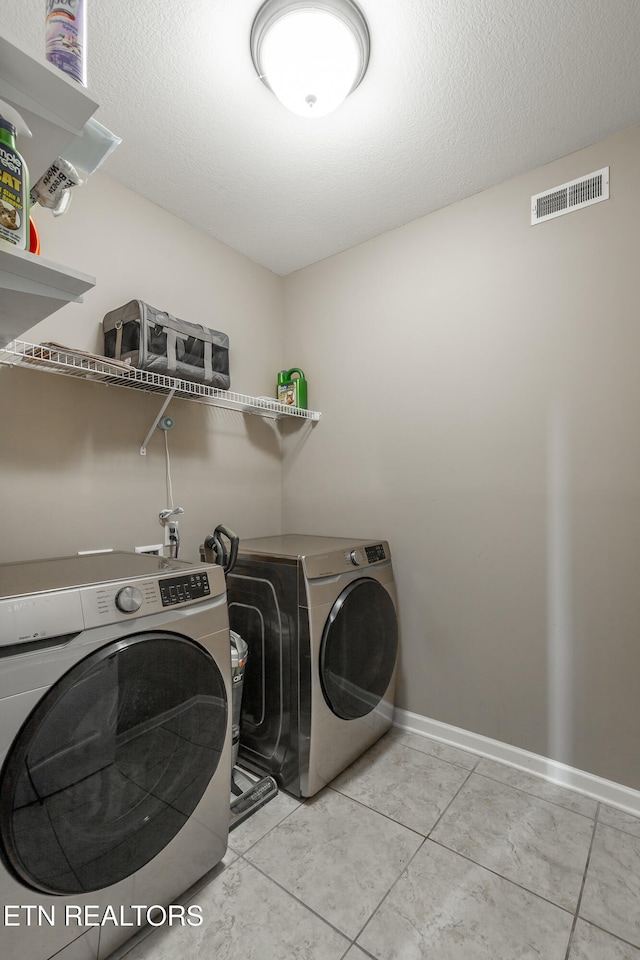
(310,60)
(311,55)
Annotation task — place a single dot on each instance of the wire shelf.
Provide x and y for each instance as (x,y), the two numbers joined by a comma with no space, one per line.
(62,361)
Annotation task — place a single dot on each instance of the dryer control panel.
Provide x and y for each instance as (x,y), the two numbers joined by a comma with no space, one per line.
(375,553)
(364,555)
(360,555)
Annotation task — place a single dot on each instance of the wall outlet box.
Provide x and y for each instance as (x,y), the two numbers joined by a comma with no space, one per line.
(153,549)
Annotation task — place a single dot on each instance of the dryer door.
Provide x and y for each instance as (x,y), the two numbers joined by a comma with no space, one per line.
(359,648)
(111,763)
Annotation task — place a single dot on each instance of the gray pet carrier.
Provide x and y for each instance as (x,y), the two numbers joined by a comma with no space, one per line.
(153,340)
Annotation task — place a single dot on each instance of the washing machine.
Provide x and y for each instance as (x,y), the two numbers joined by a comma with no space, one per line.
(320,617)
(115,744)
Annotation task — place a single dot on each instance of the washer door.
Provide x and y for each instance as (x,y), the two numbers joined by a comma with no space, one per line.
(358,649)
(111,763)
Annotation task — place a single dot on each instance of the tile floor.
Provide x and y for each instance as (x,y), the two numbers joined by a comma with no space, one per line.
(421,852)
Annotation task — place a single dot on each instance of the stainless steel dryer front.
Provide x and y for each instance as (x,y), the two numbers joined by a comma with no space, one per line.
(115,739)
(320,617)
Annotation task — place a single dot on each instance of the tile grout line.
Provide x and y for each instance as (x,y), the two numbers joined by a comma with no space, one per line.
(382,900)
(613,936)
(297,899)
(495,872)
(500,876)
(397,823)
(535,796)
(582,885)
(329,787)
(425,839)
(456,794)
(627,833)
(480,758)
(436,756)
(378,813)
(506,783)
(555,803)
(270,830)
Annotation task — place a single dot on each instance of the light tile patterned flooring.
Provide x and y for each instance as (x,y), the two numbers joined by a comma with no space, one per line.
(421,851)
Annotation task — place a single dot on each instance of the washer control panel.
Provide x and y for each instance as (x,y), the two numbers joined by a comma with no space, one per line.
(62,596)
(110,603)
(181,589)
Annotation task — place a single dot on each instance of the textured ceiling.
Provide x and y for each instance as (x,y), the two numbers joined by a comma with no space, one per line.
(459,95)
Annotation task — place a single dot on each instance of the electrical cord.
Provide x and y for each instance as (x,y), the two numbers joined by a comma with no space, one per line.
(169,485)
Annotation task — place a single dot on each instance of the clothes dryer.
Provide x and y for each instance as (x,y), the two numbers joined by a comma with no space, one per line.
(115,740)
(320,617)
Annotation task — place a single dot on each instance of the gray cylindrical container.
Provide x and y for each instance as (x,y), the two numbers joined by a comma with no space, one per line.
(66,37)
(239,651)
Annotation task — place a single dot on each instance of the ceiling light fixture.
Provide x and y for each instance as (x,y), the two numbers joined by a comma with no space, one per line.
(311,53)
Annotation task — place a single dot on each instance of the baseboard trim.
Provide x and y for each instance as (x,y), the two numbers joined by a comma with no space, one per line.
(588,784)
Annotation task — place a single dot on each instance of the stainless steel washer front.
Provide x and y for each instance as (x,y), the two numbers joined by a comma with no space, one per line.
(115,729)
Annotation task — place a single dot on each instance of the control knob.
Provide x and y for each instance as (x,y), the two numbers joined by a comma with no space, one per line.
(129,599)
(355,558)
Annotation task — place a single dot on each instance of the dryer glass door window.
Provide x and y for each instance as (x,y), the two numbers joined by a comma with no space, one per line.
(358,650)
(111,763)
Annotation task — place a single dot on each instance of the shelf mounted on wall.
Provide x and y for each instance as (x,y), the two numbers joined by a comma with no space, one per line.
(53,358)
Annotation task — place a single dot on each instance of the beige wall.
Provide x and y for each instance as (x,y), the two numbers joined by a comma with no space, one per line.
(72,475)
(478,382)
(479,386)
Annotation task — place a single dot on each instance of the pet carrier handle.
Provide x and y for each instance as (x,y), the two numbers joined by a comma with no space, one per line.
(118,352)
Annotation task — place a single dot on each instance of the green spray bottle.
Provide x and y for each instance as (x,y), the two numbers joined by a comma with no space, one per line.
(14,181)
(292,388)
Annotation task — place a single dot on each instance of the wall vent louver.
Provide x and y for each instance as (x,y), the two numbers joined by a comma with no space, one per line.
(570,196)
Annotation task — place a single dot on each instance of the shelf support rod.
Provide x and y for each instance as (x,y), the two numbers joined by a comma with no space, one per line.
(168,399)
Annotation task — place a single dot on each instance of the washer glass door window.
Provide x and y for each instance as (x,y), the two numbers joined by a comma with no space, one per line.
(111,763)
(358,649)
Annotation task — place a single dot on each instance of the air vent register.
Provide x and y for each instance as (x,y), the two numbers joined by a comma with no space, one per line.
(570,196)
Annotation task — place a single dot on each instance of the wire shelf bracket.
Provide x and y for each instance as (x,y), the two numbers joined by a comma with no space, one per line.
(168,399)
